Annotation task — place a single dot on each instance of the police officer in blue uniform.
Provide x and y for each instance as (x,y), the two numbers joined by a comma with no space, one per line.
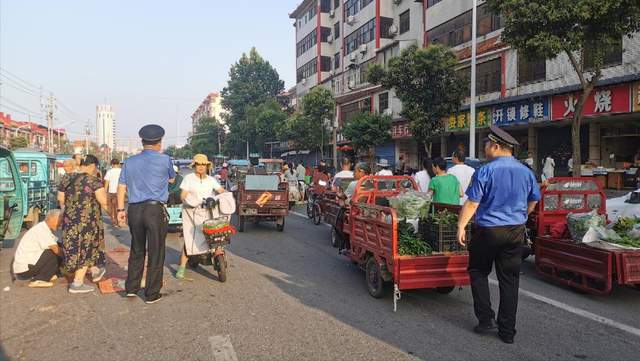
(501,195)
(145,177)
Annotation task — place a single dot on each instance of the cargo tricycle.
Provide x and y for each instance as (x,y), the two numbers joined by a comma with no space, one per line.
(262,198)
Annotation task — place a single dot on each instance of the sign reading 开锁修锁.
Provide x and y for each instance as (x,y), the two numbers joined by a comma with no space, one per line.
(523,112)
(601,101)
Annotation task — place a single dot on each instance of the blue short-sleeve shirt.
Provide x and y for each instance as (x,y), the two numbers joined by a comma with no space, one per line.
(147,175)
(503,188)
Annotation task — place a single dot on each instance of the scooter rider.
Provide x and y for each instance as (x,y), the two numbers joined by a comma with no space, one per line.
(196,187)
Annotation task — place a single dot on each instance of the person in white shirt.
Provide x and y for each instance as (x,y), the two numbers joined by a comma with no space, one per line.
(345,173)
(548,168)
(195,188)
(384,167)
(570,166)
(111,185)
(422,177)
(37,255)
(529,161)
(462,171)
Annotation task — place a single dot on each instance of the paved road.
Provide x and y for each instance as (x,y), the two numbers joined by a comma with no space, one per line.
(289,296)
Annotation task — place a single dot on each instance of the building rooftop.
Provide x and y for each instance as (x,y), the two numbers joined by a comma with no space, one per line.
(301,8)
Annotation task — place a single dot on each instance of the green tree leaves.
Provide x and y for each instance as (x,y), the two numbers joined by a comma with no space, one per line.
(366,131)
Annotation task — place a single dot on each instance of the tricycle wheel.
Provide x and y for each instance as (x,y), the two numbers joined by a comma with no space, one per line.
(280,224)
(335,237)
(240,224)
(220,264)
(445,290)
(309,208)
(375,283)
(317,214)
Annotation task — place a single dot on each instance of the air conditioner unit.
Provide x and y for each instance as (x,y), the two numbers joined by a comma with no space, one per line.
(351,84)
(332,73)
(351,20)
(329,38)
(388,112)
(352,57)
(393,30)
(332,13)
(397,2)
(304,81)
(363,48)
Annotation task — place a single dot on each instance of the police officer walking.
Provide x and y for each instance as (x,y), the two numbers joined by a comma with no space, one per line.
(146,177)
(501,195)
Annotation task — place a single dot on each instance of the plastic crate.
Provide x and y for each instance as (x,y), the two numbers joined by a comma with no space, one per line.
(442,238)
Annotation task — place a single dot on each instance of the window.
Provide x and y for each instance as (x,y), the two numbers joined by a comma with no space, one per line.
(325,63)
(383,102)
(611,56)
(336,61)
(531,70)
(430,3)
(7,183)
(325,6)
(352,7)
(385,24)
(347,111)
(307,15)
(405,22)
(336,30)
(362,78)
(23,168)
(307,70)
(336,4)
(324,34)
(306,43)
(388,54)
(363,35)
(458,30)
(488,76)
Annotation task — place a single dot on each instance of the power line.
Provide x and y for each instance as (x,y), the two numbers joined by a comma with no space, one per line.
(15,85)
(27,83)
(19,106)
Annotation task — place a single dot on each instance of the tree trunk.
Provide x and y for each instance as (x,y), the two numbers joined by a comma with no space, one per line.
(427,149)
(576,123)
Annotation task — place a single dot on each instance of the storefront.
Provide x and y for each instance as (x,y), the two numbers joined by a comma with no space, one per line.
(406,146)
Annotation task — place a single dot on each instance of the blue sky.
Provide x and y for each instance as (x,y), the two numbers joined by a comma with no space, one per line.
(154,61)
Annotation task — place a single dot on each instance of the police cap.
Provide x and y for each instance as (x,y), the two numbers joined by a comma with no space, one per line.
(501,137)
(151,132)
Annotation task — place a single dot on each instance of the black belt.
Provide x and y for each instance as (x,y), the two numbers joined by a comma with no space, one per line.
(154,203)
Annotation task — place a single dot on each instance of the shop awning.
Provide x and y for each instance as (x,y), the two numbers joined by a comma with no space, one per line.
(295,152)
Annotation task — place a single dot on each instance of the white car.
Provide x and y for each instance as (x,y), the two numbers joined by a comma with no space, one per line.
(620,207)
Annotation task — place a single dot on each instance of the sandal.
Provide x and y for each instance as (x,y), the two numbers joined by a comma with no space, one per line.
(180,272)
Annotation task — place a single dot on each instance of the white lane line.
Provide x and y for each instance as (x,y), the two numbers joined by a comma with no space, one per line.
(578,311)
(222,349)
(305,216)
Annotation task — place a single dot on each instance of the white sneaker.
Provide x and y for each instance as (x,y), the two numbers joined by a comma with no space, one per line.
(80,289)
(98,276)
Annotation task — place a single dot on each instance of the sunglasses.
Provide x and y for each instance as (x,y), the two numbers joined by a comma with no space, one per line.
(204,164)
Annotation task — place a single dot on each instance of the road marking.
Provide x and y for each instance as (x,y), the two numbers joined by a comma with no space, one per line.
(305,216)
(577,311)
(222,349)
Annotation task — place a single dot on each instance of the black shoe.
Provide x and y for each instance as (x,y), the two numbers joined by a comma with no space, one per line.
(153,300)
(484,327)
(506,339)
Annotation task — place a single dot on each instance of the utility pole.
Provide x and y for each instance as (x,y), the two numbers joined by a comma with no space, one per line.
(472,121)
(49,107)
(86,138)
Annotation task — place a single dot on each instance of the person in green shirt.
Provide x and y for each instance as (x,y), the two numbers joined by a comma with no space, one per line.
(444,188)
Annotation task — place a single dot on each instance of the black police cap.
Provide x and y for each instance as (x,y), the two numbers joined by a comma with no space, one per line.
(151,132)
(498,135)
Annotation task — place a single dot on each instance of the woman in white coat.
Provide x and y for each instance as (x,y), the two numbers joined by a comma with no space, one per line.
(548,168)
(195,188)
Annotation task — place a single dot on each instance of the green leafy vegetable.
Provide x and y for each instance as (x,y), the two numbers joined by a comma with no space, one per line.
(409,244)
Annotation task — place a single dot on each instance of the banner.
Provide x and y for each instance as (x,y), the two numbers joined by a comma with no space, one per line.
(601,101)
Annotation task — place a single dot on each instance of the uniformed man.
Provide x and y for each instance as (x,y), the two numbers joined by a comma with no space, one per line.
(146,177)
(255,168)
(501,195)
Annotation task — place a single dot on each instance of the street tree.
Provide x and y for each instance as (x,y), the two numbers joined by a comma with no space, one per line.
(426,82)
(297,130)
(261,123)
(365,131)
(18,142)
(584,31)
(252,81)
(318,107)
(207,136)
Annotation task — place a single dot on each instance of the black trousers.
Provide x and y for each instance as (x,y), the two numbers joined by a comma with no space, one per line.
(502,246)
(148,224)
(46,267)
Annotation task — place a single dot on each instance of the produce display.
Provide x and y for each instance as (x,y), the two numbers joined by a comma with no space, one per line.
(579,223)
(411,204)
(409,243)
(218,227)
(440,230)
(444,218)
(628,232)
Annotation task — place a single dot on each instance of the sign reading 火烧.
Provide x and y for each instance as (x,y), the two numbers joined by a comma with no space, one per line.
(603,100)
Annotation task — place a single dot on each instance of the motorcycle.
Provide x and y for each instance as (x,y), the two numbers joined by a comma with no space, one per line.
(217,232)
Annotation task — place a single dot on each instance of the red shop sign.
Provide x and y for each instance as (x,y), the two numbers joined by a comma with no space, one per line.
(400,130)
(605,100)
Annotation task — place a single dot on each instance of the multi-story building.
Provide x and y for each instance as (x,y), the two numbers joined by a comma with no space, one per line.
(532,98)
(211,107)
(105,125)
(35,134)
